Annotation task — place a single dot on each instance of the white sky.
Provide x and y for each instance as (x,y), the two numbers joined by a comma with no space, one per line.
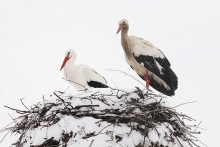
(35,34)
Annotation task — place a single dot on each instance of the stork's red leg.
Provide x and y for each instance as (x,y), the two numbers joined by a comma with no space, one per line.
(147,79)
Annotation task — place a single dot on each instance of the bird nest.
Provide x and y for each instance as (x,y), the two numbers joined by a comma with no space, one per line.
(137,117)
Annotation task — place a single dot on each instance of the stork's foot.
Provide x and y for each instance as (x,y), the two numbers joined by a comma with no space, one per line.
(84,89)
(149,91)
(147,79)
(147,83)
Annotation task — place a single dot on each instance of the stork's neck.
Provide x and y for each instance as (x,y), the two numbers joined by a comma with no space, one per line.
(70,63)
(125,43)
(69,69)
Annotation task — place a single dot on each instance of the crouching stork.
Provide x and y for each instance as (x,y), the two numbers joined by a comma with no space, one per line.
(81,76)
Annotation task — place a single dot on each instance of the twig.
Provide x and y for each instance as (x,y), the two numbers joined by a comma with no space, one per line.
(145,127)
(64,91)
(13,119)
(24,104)
(183,104)
(98,132)
(91,143)
(4,136)
(203,143)
(75,83)
(18,111)
(197,126)
(77,107)
(126,74)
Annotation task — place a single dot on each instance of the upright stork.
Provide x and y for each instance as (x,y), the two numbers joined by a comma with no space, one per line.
(81,76)
(148,61)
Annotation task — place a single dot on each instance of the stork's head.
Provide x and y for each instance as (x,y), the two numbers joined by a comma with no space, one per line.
(70,53)
(123,24)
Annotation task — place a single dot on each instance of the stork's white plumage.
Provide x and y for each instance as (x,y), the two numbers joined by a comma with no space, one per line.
(148,61)
(81,76)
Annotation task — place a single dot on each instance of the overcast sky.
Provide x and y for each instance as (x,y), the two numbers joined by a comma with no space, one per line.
(35,34)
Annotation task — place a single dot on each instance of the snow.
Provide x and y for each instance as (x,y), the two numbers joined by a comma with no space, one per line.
(89,131)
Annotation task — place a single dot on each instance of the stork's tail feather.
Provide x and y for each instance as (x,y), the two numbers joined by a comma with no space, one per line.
(174,80)
(160,87)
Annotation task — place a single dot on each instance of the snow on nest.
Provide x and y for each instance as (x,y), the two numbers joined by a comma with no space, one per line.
(102,118)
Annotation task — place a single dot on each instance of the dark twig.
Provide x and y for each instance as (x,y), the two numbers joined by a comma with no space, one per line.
(91,143)
(126,74)
(197,126)
(183,104)
(75,83)
(4,136)
(24,104)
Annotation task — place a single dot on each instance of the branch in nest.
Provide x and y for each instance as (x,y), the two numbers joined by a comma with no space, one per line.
(75,83)
(18,111)
(126,74)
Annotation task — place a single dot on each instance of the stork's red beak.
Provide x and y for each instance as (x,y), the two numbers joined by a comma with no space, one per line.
(120,28)
(64,62)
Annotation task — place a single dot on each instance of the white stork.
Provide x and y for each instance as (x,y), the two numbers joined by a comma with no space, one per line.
(81,76)
(148,61)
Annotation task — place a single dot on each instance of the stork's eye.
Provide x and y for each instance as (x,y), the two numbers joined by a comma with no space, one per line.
(123,21)
(68,53)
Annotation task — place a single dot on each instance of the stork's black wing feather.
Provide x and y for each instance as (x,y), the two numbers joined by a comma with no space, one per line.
(166,63)
(170,76)
(148,62)
(96,84)
(165,59)
(166,73)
